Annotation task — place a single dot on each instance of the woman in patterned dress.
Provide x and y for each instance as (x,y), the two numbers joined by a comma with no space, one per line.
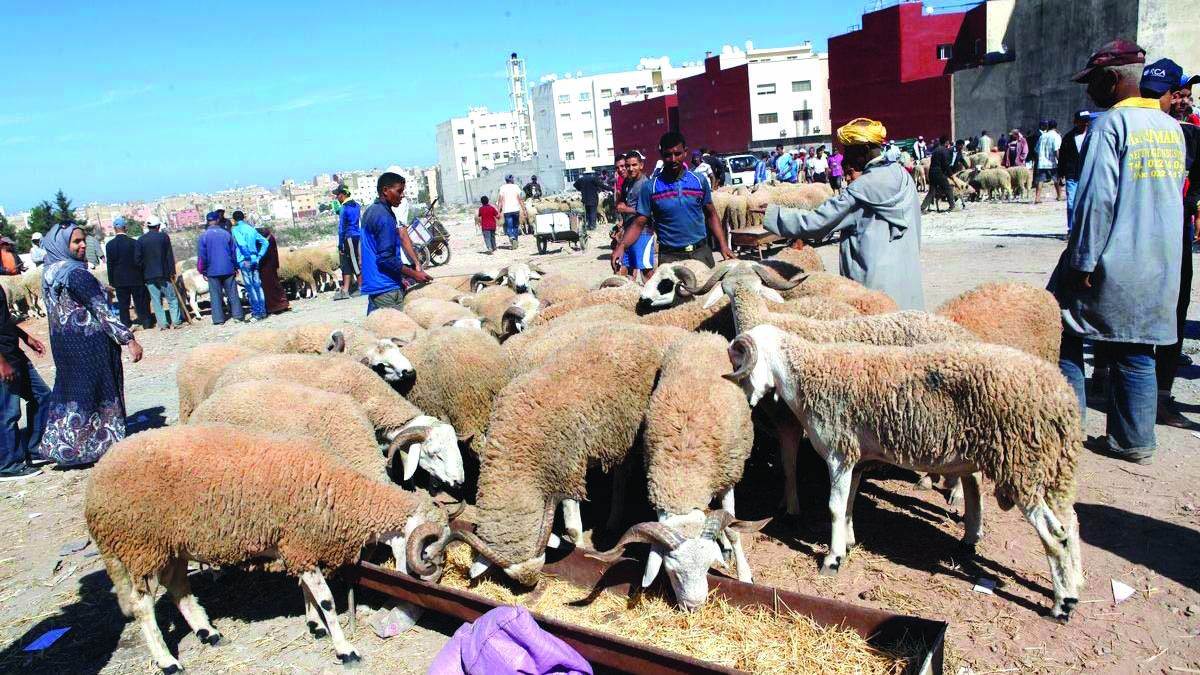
(86,414)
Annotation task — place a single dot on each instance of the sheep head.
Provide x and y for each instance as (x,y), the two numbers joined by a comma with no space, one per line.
(527,572)
(687,545)
(477,324)
(383,357)
(715,287)
(519,275)
(664,285)
(519,314)
(752,354)
(432,445)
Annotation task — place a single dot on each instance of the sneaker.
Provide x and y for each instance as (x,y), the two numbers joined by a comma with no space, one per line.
(252,319)
(1169,415)
(341,295)
(1184,360)
(19,473)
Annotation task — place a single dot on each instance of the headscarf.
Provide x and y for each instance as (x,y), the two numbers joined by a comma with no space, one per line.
(59,262)
(862,131)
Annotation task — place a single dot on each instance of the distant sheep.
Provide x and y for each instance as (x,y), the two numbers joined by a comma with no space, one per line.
(1021,181)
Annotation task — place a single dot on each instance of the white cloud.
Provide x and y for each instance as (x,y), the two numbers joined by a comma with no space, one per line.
(316,98)
(17,140)
(7,120)
(115,96)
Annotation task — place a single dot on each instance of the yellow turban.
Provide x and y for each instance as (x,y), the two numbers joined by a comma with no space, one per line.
(862,131)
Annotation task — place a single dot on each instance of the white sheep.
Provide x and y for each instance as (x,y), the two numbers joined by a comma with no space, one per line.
(951,409)
(660,289)
(516,276)
(226,496)
(432,313)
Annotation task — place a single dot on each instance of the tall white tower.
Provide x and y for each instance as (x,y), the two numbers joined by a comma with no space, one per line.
(518,91)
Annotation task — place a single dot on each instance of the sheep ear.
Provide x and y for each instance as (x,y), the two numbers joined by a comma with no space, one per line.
(653,566)
(337,343)
(479,566)
(466,437)
(402,341)
(713,296)
(770,294)
(411,461)
(554,541)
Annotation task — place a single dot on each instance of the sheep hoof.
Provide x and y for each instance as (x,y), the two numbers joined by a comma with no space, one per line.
(211,639)
(173,668)
(830,568)
(1063,614)
(317,630)
(327,605)
(349,658)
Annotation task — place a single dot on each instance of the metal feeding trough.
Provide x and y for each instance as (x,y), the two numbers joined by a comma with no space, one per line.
(880,628)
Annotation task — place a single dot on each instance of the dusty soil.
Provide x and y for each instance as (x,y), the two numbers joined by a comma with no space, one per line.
(1139,524)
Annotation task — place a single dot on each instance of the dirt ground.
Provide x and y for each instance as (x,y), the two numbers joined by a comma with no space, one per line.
(1139,524)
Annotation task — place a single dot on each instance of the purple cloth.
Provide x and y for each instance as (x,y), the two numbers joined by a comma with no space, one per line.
(507,640)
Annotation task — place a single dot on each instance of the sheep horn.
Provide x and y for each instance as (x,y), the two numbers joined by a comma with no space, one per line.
(479,546)
(424,535)
(685,280)
(718,520)
(614,282)
(772,279)
(537,268)
(742,354)
(512,315)
(337,342)
(418,434)
(642,533)
(713,279)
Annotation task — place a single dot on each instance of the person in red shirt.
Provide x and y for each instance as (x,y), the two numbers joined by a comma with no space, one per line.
(487,224)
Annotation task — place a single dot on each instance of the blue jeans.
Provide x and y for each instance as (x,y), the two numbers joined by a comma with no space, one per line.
(220,288)
(159,289)
(254,292)
(489,240)
(29,387)
(512,225)
(1071,185)
(1132,404)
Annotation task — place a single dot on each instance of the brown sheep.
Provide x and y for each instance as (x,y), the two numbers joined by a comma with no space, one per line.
(1010,313)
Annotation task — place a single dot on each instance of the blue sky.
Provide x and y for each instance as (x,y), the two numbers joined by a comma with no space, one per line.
(135,100)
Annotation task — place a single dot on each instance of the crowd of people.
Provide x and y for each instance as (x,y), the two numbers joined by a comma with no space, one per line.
(801,165)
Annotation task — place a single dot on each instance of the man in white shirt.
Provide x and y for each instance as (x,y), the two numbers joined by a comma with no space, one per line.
(1048,146)
(511,205)
(985,142)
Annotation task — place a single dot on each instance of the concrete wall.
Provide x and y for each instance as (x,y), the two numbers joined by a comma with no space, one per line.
(1170,29)
(549,170)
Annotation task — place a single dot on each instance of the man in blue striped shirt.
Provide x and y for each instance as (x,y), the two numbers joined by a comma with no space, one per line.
(680,204)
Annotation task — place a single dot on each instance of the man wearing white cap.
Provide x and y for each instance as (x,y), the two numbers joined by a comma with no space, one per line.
(158,267)
(35,251)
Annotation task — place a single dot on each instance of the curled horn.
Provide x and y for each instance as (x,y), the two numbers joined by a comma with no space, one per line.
(615,282)
(742,354)
(424,535)
(643,533)
(537,268)
(512,315)
(713,279)
(718,520)
(411,434)
(337,342)
(771,279)
(686,279)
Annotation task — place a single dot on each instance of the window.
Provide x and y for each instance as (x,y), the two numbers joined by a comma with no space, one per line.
(495,155)
(503,125)
(945,52)
(568,137)
(589,136)
(978,47)
(464,160)
(483,142)
(590,153)
(585,96)
(587,114)
(658,120)
(802,85)
(802,115)
(564,98)
(606,112)
(460,132)
(570,156)
(504,140)
(606,93)
(565,117)
(506,155)
(768,118)
(765,89)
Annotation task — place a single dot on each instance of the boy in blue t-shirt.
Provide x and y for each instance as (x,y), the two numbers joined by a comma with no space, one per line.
(680,204)
(640,255)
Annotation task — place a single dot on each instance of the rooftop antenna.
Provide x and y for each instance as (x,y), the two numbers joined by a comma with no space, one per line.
(518,91)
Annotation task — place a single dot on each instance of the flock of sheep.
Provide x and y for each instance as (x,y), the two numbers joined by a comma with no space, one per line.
(304,272)
(984,177)
(293,441)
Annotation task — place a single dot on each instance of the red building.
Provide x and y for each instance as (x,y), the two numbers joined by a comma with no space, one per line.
(714,107)
(897,67)
(638,125)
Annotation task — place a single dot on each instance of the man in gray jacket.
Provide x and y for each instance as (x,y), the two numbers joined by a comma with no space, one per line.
(877,217)
(1118,280)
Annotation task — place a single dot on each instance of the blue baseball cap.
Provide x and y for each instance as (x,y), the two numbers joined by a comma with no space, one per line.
(1162,76)
(119,222)
(212,217)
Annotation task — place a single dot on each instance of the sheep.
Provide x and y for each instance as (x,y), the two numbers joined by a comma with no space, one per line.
(199,367)
(997,183)
(952,409)
(1010,313)
(816,307)
(698,435)
(392,323)
(435,290)
(335,420)
(296,269)
(381,355)
(390,414)
(12,292)
(920,175)
(1022,181)
(431,313)
(792,260)
(458,374)
(660,288)
(490,304)
(820,284)
(800,195)
(695,316)
(228,496)
(30,287)
(516,276)
(555,288)
(623,296)
(546,428)
(518,315)
(195,285)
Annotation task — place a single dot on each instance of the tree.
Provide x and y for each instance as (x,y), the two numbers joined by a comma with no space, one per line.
(423,196)
(41,219)
(134,227)
(64,212)
(6,229)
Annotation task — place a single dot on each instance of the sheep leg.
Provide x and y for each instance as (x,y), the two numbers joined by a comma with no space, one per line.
(572,521)
(312,616)
(620,480)
(1056,547)
(973,512)
(315,582)
(735,541)
(143,613)
(841,477)
(789,444)
(955,498)
(174,577)
(855,479)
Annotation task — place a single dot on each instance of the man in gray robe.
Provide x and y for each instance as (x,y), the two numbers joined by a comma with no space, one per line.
(877,217)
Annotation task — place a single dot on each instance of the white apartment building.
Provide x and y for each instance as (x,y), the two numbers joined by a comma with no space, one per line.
(570,114)
(471,146)
(789,91)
